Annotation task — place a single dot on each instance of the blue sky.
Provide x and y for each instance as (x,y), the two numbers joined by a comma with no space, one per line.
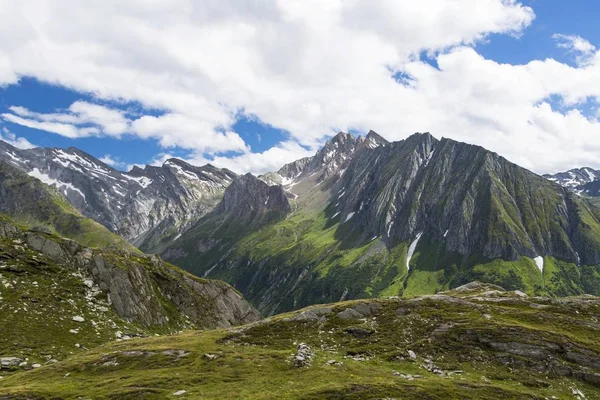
(275,97)
(46,98)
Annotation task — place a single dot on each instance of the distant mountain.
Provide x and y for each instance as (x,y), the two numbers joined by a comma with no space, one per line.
(148,207)
(576,179)
(373,218)
(35,205)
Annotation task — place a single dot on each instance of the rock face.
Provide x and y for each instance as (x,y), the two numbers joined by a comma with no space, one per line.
(148,207)
(327,162)
(248,197)
(57,296)
(403,218)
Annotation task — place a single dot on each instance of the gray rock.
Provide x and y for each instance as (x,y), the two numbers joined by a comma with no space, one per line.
(350,313)
(6,362)
(304,356)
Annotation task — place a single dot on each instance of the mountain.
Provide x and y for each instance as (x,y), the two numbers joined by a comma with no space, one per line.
(371,218)
(475,342)
(575,178)
(89,289)
(328,161)
(583,181)
(148,207)
(36,205)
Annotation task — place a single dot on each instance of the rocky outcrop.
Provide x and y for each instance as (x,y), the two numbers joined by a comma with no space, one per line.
(143,289)
(248,197)
(330,161)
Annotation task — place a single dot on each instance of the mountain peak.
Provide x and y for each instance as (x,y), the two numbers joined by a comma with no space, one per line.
(373,139)
(248,197)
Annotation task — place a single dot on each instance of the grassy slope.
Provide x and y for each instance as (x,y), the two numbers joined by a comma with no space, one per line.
(255,362)
(39,296)
(328,247)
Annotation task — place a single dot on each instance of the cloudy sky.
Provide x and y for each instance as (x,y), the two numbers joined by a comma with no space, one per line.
(251,84)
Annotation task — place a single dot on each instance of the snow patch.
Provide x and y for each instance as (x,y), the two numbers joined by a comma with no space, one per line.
(62,186)
(390,228)
(411,250)
(590,175)
(141,180)
(181,172)
(13,156)
(429,157)
(539,261)
(446,233)
(349,216)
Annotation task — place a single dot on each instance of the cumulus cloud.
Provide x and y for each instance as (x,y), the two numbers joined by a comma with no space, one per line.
(81,119)
(310,68)
(14,140)
(582,47)
(258,163)
(114,162)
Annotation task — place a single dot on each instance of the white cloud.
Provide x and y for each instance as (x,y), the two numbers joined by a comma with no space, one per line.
(114,162)
(308,67)
(14,140)
(258,163)
(81,119)
(584,49)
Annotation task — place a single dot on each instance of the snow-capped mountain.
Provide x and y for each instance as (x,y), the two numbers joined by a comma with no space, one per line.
(576,179)
(146,206)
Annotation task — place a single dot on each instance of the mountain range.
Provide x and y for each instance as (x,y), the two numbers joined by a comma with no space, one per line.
(86,314)
(144,206)
(363,217)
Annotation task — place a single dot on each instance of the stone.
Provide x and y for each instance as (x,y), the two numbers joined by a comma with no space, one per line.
(210,357)
(78,318)
(350,313)
(36,365)
(358,332)
(304,355)
(10,361)
(180,392)
(412,354)
(367,309)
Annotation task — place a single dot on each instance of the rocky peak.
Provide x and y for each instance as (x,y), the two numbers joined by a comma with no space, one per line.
(583,181)
(373,139)
(248,197)
(575,177)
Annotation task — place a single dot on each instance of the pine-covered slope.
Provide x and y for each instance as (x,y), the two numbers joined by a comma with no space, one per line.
(409,217)
(148,207)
